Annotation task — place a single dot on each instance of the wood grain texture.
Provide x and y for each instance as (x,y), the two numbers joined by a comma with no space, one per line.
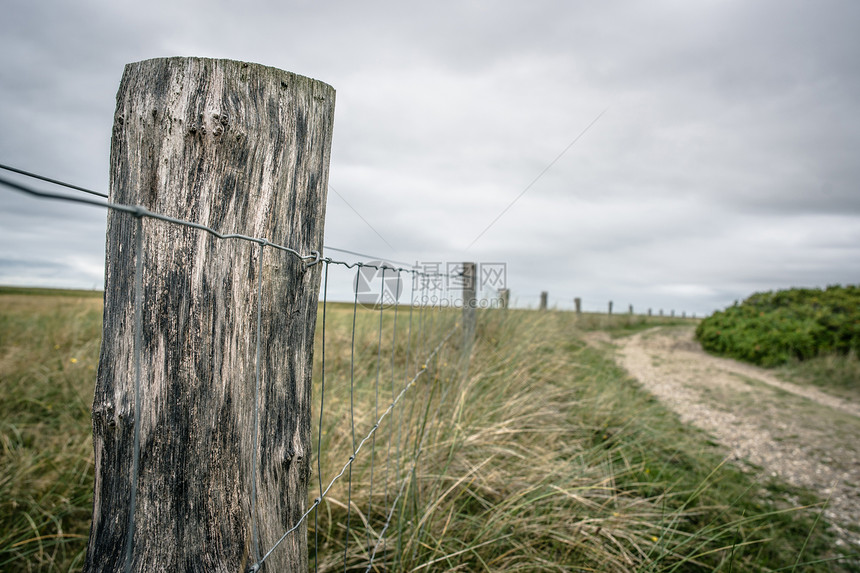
(241,148)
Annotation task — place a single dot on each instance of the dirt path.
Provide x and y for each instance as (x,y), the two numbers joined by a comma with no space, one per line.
(805,436)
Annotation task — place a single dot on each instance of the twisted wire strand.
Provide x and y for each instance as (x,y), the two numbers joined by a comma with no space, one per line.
(312,258)
(26,173)
(366,256)
(50,180)
(139,211)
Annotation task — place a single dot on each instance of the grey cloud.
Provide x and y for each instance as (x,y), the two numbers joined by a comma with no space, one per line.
(731,130)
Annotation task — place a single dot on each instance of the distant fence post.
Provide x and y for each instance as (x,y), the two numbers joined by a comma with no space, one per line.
(504,297)
(649,312)
(610,307)
(630,309)
(578,302)
(469,308)
(543,297)
(215,336)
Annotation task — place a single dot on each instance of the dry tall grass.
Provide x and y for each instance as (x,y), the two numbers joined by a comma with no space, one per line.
(544,456)
(540,456)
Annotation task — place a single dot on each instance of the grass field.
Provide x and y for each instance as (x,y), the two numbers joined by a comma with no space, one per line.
(834,373)
(542,456)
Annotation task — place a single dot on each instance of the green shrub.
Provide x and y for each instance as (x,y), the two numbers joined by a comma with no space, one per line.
(772,328)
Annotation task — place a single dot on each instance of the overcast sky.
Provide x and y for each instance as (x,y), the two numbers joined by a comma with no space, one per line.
(723,159)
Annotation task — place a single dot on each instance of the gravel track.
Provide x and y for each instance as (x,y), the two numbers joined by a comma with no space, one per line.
(805,436)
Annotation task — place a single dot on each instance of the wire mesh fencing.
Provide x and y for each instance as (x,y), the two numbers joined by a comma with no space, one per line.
(384,365)
(384,373)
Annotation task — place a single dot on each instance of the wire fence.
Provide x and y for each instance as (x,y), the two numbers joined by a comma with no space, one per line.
(541,301)
(421,326)
(384,366)
(381,373)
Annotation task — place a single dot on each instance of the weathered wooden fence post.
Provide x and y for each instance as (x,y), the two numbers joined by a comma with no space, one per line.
(630,309)
(470,305)
(209,468)
(543,296)
(504,297)
(649,312)
(578,302)
(610,307)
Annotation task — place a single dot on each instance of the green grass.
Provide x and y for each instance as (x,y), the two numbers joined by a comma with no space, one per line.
(48,354)
(542,456)
(55,292)
(835,373)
